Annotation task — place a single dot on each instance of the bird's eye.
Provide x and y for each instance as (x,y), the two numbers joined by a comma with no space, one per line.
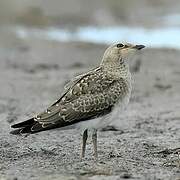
(120,45)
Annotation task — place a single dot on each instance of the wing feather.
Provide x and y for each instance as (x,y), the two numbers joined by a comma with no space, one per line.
(92,105)
(88,96)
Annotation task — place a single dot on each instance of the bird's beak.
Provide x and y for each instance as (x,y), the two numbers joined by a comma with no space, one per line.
(139,47)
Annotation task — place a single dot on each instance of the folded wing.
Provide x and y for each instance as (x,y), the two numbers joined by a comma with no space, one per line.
(90,96)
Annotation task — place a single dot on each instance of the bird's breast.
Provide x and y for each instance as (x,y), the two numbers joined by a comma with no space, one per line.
(125,94)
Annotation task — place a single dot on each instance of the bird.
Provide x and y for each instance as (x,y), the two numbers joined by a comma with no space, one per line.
(89,99)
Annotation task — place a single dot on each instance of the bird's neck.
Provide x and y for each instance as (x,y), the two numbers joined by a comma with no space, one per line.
(117,69)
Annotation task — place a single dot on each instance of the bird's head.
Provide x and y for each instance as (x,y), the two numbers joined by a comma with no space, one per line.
(120,51)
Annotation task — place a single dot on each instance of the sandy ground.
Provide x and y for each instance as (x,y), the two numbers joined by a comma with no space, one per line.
(142,143)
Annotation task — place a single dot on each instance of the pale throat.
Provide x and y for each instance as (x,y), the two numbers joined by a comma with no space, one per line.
(116,67)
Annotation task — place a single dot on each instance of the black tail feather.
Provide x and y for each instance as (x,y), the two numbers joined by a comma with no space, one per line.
(31,126)
(16,132)
(24,127)
(24,123)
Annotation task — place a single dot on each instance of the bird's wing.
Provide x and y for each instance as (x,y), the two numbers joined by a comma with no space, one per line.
(83,86)
(88,106)
(75,82)
(92,95)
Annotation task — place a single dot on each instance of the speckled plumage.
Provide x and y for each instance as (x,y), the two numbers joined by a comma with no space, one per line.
(89,95)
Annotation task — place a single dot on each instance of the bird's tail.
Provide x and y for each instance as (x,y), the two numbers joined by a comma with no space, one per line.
(23,127)
(31,126)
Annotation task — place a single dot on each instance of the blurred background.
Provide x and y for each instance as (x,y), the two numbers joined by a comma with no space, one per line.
(156,23)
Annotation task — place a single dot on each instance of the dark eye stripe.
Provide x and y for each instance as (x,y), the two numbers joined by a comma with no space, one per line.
(120,45)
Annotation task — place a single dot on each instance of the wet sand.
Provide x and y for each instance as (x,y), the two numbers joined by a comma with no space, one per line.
(142,143)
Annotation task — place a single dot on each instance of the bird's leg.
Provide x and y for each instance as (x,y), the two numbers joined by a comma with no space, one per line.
(94,141)
(85,136)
